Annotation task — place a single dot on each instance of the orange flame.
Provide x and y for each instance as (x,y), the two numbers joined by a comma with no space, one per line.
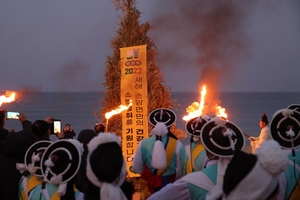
(195,110)
(8,97)
(221,112)
(118,110)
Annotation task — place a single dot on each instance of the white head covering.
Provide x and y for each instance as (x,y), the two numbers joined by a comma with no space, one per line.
(108,191)
(159,157)
(61,162)
(161,119)
(251,176)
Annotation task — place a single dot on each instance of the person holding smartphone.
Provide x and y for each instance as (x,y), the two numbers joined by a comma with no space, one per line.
(3,131)
(68,132)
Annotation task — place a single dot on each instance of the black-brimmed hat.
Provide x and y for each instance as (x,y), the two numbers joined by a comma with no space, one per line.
(66,163)
(285,128)
(167,116)
(246,173)
(33,157)
(294,107)
(221,137)
(194,126)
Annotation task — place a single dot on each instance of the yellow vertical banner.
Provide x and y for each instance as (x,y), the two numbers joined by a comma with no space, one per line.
(133,87)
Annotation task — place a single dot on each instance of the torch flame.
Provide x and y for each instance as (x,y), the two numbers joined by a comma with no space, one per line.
(195,110)
(8,97)
(118,110)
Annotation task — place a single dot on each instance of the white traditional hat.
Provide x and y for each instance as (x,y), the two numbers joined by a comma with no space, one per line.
(250,176)
(61,162)
(33,157)
(108,190)
(221,137)
(194,126)
(167,116)
(294,107)
(161,119)
(285,128)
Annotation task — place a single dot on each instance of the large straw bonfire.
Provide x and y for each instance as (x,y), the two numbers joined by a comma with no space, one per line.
(132,33)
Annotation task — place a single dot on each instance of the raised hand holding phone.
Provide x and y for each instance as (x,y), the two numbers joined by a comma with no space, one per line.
(57,126)
(22,117)
(12,115)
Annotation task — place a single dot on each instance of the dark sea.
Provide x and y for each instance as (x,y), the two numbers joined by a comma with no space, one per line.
(78,108)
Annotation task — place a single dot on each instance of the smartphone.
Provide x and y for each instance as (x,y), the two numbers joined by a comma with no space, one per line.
(12,115)
(56,126)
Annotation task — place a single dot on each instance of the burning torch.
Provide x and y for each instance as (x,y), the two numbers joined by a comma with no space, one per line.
(118,110)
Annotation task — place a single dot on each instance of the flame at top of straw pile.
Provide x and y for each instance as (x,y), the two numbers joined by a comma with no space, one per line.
(221,112)
(196,108)
(117,110)
(8,97)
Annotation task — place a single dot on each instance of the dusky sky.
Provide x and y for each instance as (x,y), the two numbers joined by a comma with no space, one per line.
(243,46)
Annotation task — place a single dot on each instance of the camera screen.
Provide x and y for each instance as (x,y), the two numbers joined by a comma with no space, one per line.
(57,127)
(12,115)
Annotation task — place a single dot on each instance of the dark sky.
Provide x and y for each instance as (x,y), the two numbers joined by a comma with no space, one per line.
(237,45)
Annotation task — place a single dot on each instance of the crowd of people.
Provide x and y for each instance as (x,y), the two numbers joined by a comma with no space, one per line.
(212,166)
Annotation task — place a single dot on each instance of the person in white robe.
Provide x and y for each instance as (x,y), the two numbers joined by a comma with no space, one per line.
(264,135)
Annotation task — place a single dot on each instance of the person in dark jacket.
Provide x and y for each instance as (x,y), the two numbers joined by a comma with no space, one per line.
(14,149)
(99,128)
(84,137)
(3,131)
(68,132)
(41,130)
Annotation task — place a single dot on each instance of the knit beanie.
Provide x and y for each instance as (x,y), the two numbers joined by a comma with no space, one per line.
(40,128)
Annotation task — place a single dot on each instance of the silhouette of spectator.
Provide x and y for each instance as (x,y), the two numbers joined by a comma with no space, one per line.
(68,132)
(3,131)
(84,137)
(14,149)
(40,130)
(26,124)
(99,128)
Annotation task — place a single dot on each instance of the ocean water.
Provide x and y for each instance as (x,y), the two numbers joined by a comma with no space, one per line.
(77,108)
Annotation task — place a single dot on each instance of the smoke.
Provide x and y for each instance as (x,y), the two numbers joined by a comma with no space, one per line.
(204,36)
(75,76)
(23,95)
